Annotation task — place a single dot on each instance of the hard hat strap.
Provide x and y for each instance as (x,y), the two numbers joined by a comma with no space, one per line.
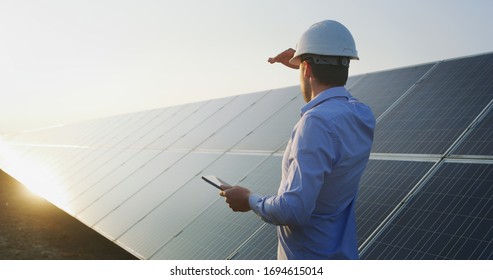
(329,60)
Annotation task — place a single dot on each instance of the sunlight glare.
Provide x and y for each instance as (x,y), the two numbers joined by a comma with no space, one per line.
(35,174)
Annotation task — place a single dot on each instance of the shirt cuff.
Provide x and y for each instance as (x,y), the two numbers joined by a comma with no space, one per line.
(253,199)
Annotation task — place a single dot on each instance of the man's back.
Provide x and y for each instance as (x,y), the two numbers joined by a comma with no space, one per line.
(323,164)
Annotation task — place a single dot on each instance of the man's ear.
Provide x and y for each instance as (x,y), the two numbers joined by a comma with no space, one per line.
(307,69)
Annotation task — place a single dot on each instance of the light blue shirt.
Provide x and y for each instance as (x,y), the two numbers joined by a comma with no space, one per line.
(321,169)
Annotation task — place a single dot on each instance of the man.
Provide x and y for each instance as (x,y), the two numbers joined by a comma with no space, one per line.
(325,157)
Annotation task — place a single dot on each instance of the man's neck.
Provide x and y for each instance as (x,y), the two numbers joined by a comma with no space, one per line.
(317,89)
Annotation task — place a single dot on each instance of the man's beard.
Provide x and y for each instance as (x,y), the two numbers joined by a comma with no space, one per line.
(306,90)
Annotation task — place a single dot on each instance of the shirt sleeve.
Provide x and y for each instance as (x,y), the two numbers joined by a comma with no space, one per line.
(309,161)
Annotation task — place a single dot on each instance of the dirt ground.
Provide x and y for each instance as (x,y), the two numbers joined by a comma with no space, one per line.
(33,229)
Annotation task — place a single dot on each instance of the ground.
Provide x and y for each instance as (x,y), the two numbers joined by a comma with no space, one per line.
(32,228)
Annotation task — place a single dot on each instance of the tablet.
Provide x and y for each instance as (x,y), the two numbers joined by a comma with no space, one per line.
(215,181)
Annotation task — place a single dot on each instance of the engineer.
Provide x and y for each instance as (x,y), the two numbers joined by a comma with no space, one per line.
(325,156)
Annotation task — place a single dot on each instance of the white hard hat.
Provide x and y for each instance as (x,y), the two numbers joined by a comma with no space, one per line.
(326,38)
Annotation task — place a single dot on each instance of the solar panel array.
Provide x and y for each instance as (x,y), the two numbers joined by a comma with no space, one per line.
(135,178)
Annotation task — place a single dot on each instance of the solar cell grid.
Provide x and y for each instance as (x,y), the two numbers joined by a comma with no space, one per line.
(150,119)
(95,207)
(117,174)
(382,89)
(270,135)
(145,170)
(169,123)
(383,186)
(95,166)
(118,131)
(353,80)
(246,122)
(90,159)
(479,141)
(73,167)
(130,209)
(156,127)
(158,227)
(214,235)
(439,109)
(189,123)
(95,131)
(261,246)
(217,121)
(218,231)
(451,217)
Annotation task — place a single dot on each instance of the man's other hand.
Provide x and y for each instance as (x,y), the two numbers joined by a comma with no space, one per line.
(236,197)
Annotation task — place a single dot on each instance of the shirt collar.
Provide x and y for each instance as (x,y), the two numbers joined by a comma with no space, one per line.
(323,96)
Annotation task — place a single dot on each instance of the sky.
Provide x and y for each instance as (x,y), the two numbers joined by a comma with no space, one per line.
(69,61)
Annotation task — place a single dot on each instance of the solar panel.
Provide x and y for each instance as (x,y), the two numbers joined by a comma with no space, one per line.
(451,217)
(122,211)
(186,125)
(352,80)
(213,235)
(165,126)
(89,161)
(144,170)
(380,90)
(439,109)
(104,127)
(262,245)
(108,175)
(243,124)
(215,122)
(383,186)
(160,124)
(218,231)
(139,128)
(158,227)
(119,130)
(93,167)
(478,142)
(273,133)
